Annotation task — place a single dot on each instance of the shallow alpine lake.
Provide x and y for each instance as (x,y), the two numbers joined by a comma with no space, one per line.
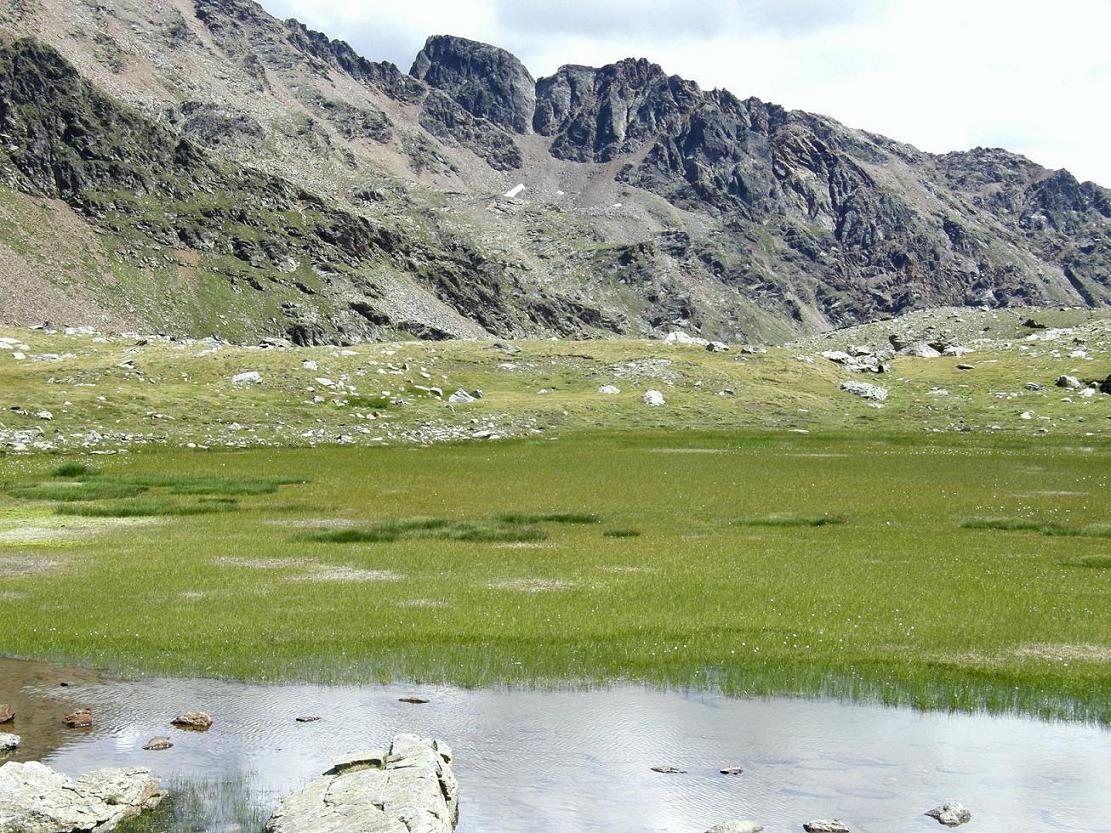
(547,761)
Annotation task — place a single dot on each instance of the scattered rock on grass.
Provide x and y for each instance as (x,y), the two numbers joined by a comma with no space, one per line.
(865,390)
(36,799)
(611,390)
(250,377)
(460,396)
(1069,382)
(717,347)
(194,720)
(951,814)
(654,399)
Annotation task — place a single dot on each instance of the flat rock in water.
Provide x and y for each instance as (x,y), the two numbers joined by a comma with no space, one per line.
(951,814)
(8,742)
(80,719)
(669,770)
(195,720)
(731,770)
(738,826)
(826,826)
(7,713)
(372,759)
(159,743)
(36,799)
(308,718)
(413,790)
(416,701)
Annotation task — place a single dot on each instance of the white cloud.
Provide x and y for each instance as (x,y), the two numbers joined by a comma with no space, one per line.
(944,75)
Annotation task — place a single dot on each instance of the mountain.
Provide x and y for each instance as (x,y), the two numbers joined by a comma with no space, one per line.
(198,166)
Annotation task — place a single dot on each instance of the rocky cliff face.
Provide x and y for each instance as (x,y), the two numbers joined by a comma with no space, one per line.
(336,197)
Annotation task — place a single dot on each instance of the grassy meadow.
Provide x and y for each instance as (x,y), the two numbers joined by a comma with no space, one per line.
(953,571)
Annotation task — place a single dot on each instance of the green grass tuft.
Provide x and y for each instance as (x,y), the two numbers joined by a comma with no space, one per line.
(152,507)
(1092,562)
(622,533)
(791,520)
(546,518)
(1008,524)
(73,470)
(74,492)
(437,529)
(1051,529)
(1091,531)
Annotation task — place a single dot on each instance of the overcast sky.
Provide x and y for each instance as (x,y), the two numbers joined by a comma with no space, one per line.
(1034,77)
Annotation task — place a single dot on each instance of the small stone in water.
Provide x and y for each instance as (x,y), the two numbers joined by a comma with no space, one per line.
(826,826)
(307,719)
(195,720)
(416,701)
(731,770)
(669,770)
(159,743)
(79,719)
(951,814)
(7,713)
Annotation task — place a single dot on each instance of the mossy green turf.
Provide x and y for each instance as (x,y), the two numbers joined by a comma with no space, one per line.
(898,603)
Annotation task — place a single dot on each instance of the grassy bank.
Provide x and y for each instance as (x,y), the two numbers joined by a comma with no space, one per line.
(902,569)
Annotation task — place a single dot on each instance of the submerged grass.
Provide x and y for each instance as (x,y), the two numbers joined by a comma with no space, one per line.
(203,804)
(707,604)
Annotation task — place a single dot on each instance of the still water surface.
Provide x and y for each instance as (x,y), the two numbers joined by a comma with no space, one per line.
(562,761)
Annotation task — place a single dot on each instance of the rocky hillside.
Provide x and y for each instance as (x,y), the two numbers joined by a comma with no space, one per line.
(198,166)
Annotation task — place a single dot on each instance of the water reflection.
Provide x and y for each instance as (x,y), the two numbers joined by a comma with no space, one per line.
(580,761)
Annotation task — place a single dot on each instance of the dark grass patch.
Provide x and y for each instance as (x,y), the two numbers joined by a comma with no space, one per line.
(145,509)
(1090,531)
(1009,524)
(621,533)
(1051,529)
(75,492)
(200,484)
(436,529)
(791,520)
(1091,562)
(73,470)
(546,518)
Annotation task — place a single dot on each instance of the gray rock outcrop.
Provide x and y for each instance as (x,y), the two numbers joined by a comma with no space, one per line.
(36,799)
(409,788)
(865,390)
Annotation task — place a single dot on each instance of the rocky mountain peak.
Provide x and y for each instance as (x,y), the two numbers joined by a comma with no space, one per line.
(486,81)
